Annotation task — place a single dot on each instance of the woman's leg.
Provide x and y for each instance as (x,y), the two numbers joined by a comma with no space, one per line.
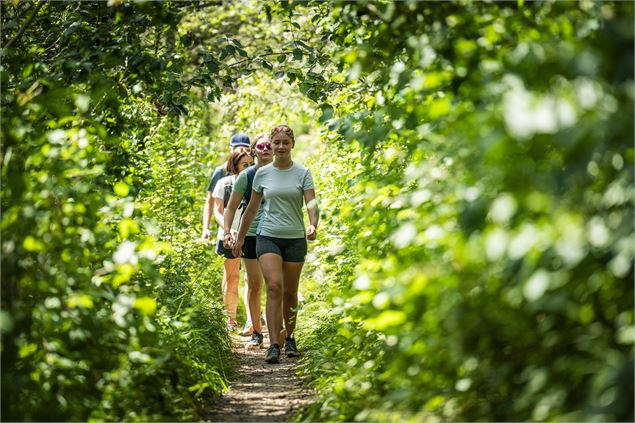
(231,272)
(254,285)
(271,265)
(248,326)
(291,276)
(246,295)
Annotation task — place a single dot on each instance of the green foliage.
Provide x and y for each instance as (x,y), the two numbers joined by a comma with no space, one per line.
(106,314)
(485,267)
(475,256)
(111,307)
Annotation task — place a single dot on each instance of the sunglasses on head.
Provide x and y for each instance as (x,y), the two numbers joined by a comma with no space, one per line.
(264,146)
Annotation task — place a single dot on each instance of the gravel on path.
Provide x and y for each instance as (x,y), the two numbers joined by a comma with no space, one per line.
(262,392)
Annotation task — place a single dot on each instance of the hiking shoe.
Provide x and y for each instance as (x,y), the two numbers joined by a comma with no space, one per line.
(248,329)
(231,325)
(256,340)
(273,354)
(290,349)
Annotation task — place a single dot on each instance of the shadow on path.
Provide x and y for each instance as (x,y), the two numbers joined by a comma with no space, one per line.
(261,392)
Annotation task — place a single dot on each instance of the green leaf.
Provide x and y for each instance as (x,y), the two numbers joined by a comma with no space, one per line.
(387,319)
(439,107)
(327,112)
(71,29)
(281,58)
(267,65)
(27,70)
(32,244)
(82,300)
(121,189)
(6,322)
(297,54)
(305,87)
(146,305)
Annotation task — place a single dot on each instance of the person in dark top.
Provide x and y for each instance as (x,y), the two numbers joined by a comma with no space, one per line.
(237,141)
(238,161)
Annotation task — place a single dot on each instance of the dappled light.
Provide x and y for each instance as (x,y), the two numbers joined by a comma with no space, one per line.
(473,165)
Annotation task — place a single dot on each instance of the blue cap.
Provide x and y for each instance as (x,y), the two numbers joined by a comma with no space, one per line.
(239,140)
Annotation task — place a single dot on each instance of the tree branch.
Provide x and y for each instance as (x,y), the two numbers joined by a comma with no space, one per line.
(24,26)
(256,57)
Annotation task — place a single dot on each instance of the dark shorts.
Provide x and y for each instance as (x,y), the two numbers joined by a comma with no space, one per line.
(222,251)
(292,250)
(249,248)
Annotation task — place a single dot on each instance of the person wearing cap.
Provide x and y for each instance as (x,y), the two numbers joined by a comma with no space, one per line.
(237,142)
(239,160)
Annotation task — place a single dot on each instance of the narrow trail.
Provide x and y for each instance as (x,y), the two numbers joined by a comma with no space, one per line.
(261,391)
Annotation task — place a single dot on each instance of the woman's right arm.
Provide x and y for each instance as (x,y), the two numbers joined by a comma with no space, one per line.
(207,215)
(228,217)
(248,217)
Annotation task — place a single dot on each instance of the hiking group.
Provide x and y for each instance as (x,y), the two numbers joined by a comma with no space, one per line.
(258,209)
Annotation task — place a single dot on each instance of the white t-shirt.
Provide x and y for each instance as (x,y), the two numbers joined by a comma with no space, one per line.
(225,185)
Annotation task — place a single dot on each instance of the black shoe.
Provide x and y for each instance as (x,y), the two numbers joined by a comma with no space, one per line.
(290,349)
(273,354)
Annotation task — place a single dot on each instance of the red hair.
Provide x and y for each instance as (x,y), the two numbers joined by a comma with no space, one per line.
(234,159)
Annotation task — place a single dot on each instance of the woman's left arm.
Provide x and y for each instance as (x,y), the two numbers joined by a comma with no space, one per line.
(313,211)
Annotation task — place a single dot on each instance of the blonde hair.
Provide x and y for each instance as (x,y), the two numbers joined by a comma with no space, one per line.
(258,138)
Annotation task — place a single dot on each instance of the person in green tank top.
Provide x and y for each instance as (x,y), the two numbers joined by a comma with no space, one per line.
(281,242)
(262,148)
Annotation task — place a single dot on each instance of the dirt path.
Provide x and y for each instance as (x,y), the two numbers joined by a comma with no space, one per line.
(261,392)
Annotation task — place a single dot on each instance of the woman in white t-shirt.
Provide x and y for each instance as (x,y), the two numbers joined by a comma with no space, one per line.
(238,161)
(281,242)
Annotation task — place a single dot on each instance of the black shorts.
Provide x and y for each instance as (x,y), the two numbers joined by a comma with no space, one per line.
(292,250)
(249,248)
(222,251)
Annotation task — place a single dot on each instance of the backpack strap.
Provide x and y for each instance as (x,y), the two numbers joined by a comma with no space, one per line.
(227,192)
(251,173)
